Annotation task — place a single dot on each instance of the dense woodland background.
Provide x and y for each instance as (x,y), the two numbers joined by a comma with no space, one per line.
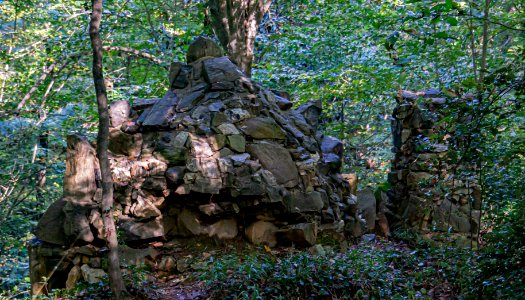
(355,56)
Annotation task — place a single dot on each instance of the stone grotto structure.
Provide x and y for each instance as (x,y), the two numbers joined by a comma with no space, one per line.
(217,156)
(221,157)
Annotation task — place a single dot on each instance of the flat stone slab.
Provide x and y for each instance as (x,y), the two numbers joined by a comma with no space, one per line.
(140,104)
(220,71)
(262,128)
(162,111)
(276,159)
(300,202)
(192,98)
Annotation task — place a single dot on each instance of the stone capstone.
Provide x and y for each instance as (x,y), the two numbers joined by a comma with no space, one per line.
(203,47)
(221,73)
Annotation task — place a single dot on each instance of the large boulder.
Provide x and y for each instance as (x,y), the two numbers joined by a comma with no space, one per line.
(262,128)
(262,232)
(302,234)
(92,275)
(119,112)
(50,228)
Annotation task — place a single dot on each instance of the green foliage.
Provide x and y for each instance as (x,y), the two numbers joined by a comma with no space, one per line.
(501,271)
(14,267)
(380,271)
(138,280)
(332,53)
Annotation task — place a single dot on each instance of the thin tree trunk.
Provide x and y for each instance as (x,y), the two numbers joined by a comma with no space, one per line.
(43,140)
(481,87)
(473,45)
(115,276)
(235,23)
(485,42)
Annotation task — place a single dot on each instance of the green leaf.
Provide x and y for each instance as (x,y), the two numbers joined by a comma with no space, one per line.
(442,35)
(452,21)
(469,82)
(429,41)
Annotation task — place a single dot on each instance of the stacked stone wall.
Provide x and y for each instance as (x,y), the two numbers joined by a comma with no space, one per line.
(434,189)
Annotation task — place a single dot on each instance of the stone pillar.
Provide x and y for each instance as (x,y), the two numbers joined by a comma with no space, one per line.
(431,190)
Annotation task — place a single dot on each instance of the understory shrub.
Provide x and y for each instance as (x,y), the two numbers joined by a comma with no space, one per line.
(367,271)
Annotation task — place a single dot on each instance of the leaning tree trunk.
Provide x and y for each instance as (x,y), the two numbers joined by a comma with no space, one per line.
(235,23)
(115,276)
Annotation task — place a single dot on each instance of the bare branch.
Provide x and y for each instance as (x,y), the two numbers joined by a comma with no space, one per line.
(66,60)
(135,52)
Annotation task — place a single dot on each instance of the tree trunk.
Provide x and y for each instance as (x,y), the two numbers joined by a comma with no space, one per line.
(115,276)
(235,23)
(43,139)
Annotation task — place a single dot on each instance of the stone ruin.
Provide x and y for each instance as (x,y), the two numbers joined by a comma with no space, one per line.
(221,157)
(217,156)
(432,190)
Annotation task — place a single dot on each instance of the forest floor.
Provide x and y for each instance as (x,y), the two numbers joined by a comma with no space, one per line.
(404,267)
(372,268)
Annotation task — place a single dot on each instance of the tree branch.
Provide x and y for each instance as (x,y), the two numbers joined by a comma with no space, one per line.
(52,67)
(136,53)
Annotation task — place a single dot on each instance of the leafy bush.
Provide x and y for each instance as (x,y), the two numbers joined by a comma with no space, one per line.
(14,268)
(501,270)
